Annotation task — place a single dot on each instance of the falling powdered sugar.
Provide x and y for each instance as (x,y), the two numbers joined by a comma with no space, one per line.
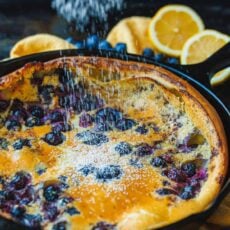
(86,13)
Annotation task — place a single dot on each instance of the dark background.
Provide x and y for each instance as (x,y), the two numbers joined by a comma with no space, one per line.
(20,18)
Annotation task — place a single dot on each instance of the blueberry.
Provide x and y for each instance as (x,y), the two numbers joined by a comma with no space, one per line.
(121,47)
(13,125)
(135,162)
(4,105)
(104,226)
(172,61)
(36,111)
(104,45)
(33,121)
(87,169)
(168,158)
(64,75)
(79,44)
(72,211)
(20,180)
(143,150)
(54,138)
(56,116)
(108,115)
(91,102)
(40,169)
(51,192)
(141,130)
(79,89)
(70,40)
(166,191)
(51,211)
(60,226)
(31,220)
(16,104)
(125,124)
(159,57)
(147,52)
(65,89)
(45,92)
(103,127)
(19,113)
(4,143)
(175,175)
(187,193)
(77,107)
(61,127)
(67,101)
(63,178)
(36,79)
(189,169)
(108,173)
(123,148)
(8,199)
(17,211)
(158,162)
(26,196)
(19,144)
(91,138)
(85,120)
(92,41)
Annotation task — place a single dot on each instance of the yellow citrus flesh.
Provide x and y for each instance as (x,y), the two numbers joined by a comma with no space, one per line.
(220,77)
(134,32)
(39,43)
(171,27)
(201,46)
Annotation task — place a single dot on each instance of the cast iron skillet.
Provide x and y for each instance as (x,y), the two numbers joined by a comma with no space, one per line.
(197,75)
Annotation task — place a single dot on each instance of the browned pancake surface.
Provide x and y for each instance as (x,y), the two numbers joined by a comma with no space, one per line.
(94,143)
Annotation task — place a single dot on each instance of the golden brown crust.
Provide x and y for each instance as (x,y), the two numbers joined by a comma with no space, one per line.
(201,112)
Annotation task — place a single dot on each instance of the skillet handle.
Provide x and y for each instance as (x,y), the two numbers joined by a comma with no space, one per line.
(204,71)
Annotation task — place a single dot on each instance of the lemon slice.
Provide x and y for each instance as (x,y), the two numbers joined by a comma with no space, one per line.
(171,27)
(39,43)
(220,77)
(134,32)
(201,46)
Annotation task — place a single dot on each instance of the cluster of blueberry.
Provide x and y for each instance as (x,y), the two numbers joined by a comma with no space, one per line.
(104,226)
(18,192)
(103,174)
(15,195)
(92,138)
(187,178)
(141,150)
(33,116)
(106,119)
(54,199)
(94,42)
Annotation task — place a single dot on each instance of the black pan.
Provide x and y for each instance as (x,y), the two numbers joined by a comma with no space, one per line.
(198,75)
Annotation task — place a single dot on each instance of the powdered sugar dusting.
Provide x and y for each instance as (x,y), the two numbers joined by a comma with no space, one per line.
(86,12)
